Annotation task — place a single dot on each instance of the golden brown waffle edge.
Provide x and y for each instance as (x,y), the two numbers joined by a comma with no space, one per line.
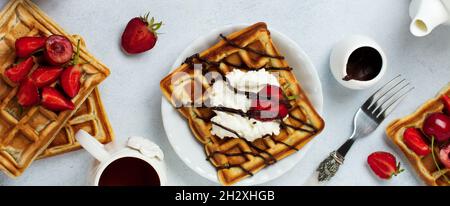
(264,151)
(28,131)
(424,166)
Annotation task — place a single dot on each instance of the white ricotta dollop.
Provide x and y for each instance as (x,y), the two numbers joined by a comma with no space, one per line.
(221,95)
(249,129)
(251,81)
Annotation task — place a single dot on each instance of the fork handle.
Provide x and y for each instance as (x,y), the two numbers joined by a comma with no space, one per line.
(345,147)
(329,167)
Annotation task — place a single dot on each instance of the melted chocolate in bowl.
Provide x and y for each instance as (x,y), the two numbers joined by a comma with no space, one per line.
(364,64)
(129,171)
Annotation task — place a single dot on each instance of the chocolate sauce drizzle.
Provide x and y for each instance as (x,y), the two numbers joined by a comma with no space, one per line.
(281,142)
(190,61)
(303,122)
(285,125)
(250,144)
(231,166)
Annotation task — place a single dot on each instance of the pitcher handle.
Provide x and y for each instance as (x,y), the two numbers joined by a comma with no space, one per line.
(94,147)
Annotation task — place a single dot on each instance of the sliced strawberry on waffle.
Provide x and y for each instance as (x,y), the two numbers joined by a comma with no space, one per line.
(20,71)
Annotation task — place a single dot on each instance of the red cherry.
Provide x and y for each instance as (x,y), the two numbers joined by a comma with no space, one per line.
(437,125)
(58,50)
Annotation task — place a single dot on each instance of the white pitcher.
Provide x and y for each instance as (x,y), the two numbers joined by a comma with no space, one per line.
(427,15)
(137,147)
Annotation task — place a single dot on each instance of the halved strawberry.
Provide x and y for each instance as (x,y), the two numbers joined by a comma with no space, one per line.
(414,139)
(20,71)
(26,46)
(444,156)
(268,110)
(446,101)
(70,80)
(44,76)
(28,94)
(53,100)
(271,92)
(384,164)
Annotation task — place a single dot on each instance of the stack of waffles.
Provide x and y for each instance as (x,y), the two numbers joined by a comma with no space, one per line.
(426,166)
(236,158)
(35,132)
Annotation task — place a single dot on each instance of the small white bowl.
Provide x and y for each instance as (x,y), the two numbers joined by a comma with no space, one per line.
(341,54)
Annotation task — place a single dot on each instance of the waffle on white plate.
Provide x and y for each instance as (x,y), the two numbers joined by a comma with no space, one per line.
(27,132)
(250,49)
(424,165)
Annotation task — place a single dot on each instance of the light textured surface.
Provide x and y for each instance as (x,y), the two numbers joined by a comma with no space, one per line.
(132,97)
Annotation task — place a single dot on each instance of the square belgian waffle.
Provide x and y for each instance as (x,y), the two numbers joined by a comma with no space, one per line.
(424,165)
(90,117)
(236,158)
(26,132)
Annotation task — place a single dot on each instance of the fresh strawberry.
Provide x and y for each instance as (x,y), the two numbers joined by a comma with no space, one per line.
(28,94)
(70,80)
(58,50)
(20,71)
(53,100)
(44,76)
(268,110)
(446,101)
(414,139)
(26,46)
(269,104)
(271,92)
(444,156)
(140,35)
(384,165)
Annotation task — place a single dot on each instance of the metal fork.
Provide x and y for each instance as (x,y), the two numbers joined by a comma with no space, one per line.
(366,120)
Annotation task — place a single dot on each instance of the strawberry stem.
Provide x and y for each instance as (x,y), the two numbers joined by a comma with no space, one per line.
(77,54)
(292,97)
(152,24)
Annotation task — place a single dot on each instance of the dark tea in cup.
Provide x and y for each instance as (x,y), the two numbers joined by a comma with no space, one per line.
(129,171)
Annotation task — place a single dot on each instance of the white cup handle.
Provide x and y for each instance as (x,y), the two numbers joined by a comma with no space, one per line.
(94,147)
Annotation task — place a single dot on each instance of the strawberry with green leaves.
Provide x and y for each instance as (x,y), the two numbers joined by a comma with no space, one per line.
(140,34)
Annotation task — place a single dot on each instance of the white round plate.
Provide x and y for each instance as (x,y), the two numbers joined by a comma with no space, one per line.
(192,152)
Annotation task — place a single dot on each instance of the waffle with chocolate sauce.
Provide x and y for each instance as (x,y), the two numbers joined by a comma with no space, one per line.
(249,49)
(425,166)
(27,132)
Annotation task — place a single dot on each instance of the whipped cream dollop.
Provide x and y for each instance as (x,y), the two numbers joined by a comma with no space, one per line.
(221,95)
(251,81)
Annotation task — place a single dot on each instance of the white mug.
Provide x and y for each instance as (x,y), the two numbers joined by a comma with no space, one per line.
(137,147)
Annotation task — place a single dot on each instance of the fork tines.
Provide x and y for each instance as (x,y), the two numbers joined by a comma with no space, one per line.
(384,101)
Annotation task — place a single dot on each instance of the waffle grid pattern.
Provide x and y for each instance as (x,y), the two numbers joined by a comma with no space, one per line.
(236,158)
(424,165)
(26,132)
